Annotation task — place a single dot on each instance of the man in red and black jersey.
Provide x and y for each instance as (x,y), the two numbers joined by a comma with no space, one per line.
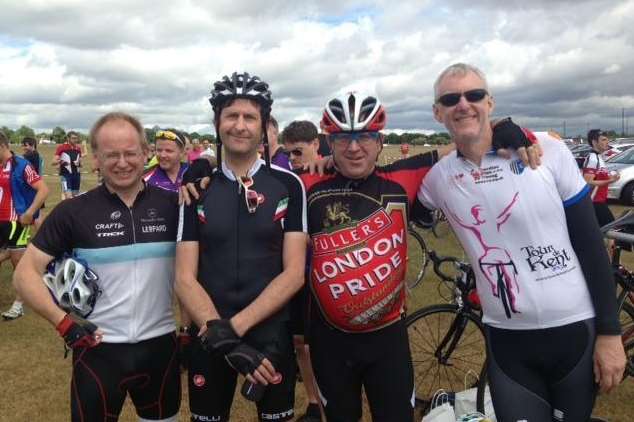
(357,219)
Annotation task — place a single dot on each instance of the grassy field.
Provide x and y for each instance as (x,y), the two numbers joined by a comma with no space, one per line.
(35,377)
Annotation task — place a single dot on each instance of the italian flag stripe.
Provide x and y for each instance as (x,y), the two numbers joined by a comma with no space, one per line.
(280,211)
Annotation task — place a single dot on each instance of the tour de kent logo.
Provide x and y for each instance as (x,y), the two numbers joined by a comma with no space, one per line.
(548,258)
(359,265)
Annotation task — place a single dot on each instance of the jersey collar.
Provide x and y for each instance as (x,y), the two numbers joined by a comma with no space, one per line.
(254,169)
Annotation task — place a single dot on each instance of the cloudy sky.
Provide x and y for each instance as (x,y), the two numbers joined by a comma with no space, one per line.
(65,62)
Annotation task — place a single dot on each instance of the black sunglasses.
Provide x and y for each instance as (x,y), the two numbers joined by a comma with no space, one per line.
(297,152)
(453,98)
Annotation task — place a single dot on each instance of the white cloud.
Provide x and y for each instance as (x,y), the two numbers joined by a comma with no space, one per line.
(64,62)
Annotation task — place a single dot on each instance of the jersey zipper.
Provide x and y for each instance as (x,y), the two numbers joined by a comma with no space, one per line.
(133,330)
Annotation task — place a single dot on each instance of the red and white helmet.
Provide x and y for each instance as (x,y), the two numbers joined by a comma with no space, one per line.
(353,112)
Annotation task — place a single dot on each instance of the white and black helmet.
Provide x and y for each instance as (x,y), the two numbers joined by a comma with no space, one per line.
(353,112)
(73,286)
(242,85)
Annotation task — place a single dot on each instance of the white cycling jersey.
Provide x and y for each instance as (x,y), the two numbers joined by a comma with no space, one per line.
(511,222)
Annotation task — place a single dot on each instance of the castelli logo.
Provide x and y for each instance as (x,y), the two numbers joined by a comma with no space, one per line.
(199,380)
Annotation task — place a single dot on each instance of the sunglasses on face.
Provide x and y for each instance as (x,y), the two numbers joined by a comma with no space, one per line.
(453,98)
(250,196)
(364,139)
(296,152)
(170,136)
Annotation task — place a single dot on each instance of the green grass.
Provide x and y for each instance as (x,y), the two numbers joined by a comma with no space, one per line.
(35,377)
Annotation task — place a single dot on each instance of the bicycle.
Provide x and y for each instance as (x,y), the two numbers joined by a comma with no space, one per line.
(417,257)
(621,230)
(447,340)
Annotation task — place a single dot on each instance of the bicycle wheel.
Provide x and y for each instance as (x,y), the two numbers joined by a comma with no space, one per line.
(626,318)
(446,344)
(416,258)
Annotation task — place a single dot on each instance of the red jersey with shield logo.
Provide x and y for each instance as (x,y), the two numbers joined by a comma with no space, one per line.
(358,230)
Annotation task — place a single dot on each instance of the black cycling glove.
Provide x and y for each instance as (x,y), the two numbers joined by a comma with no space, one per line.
(220,337)
(507,134)
(198,169)
(76,331)
(244,358)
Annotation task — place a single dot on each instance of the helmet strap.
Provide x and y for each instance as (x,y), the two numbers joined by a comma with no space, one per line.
(218,140)
(265,138)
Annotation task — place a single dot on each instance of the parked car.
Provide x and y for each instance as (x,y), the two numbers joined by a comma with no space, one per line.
(622,189)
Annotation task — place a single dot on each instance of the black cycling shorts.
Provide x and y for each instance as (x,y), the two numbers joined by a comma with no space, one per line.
(14,235)
(542,375)
(70,182)
(212,382)
(603,213)
(378,361)
(103,375)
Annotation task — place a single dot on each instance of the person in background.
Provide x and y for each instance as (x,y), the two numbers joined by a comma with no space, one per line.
(23,194)
(404,149)
(301,142)
(195,151)
(168,172)
(597,175)
(277,153)
(68,159)
(29,151)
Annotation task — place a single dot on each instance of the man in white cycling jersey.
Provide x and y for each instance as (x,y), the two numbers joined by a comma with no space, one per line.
(125,230)
(542,274)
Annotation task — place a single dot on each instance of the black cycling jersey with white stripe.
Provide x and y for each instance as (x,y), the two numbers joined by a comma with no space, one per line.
(241,251)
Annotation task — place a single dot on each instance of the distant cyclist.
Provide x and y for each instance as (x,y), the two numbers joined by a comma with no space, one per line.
(597,175)
(68,159)
(125,230)
(22,193)
(543,276)
(168,172)
(240,259)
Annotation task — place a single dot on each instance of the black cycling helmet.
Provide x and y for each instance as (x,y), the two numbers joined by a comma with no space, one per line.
(242,85)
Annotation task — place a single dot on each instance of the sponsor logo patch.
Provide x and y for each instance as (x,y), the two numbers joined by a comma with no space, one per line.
(198,380)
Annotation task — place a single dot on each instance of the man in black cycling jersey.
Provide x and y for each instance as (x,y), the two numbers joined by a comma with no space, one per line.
(125,231)
(543,276)
(239,260)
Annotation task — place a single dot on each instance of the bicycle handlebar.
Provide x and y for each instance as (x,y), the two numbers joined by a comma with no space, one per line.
(439,260)
(621,236)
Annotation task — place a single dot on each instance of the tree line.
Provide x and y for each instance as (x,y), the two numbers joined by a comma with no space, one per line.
(58,136)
